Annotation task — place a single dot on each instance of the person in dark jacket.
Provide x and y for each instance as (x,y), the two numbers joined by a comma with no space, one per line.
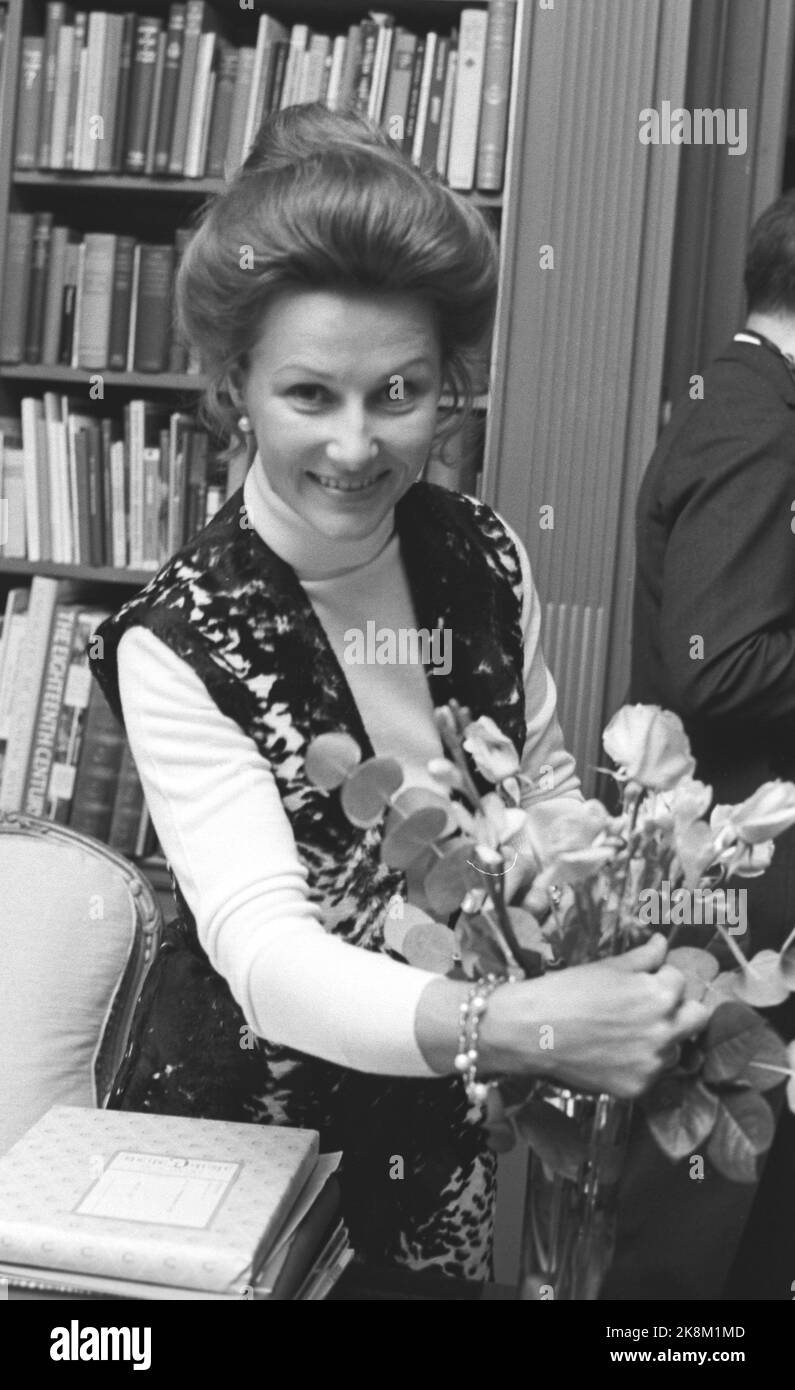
(714,640)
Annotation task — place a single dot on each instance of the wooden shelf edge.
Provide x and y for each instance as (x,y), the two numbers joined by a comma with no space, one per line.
(81,376)
(96,574)
(133,183)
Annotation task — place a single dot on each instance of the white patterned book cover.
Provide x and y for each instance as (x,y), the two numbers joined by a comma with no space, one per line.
(158,1198)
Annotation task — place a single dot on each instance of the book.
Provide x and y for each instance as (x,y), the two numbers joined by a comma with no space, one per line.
(414,95)
(40,255)
(98,769)
(395,109)
(240,101)
(56,450)
(16,286)
(269,31)
(57,15)
(53,296)
(313,69)
(175,1206)
(12,657)
(383,50)
(299,38)
(43,747)
(72,718)
(110,96)
(157,93)
(175,36)
(127,805)
(221,123)
(335,72)
(78,49)
(281,52)
(90,122)
(153,308)
(35,514)
(25,697)
(177,350)
(193,165)
(428,152)
(96,503)
(496,91)
(142,80)
(123,80)
(29,103)
(350,67)
(94,309)
(71,280)
(423,101)
(118,504)
(64,65)
(12,490)
(467,100)
(121,303)
(196,21)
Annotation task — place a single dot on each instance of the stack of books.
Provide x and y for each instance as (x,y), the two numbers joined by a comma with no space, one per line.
(143,1206)
(93,300)
(122,93)
(63,754)
(93,490)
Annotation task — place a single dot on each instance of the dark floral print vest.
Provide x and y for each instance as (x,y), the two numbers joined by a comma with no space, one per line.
(236,612)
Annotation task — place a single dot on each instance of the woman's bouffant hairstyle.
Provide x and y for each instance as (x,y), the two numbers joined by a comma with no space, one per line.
(325,200)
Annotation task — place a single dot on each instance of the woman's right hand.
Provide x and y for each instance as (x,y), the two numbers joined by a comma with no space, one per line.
(610,1026)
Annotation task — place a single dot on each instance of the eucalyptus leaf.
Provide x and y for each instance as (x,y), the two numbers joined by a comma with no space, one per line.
(698,967)
(395,928)
(553,1136)
(744,1128)
(771,1052)
(730,1041)
(330,758)
(405,840)
(481,953)
(501,1136)
(680,1113)
(762,982)
(721,990)
(412,799)
(527,930)
(429,946)
(451,878)
(787,960)
(367,791)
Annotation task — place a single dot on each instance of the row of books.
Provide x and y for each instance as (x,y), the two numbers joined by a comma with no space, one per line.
(63,754)
(94,490)
(93,300)
(143,95)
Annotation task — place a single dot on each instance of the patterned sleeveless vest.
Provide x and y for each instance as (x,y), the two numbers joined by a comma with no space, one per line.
(418,1181)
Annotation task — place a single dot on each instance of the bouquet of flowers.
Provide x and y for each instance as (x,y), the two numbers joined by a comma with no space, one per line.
(600,884)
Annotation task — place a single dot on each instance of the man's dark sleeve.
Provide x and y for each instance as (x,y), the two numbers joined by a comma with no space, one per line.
(729,577)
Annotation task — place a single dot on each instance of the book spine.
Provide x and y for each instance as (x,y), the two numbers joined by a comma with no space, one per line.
(177,351)
(197,484)
(80,107)
(120,303)
(135,453)
(395,110)
(237,126)
(81,266)
(71,720)
(141,89)
(154,309)
(151,506)
(364,73)
(106,444)
(266,36)
(88,136)
(95,498)
(221,125)
(335,75)
(445,124)
(98,769)
(496,91)
(56,17)
(194,23)
(77,451)
(118,505)
(40,258)
(192,166)
(314,68)
(281,52)
(109,104)
(136,277)
(175,38)
(43,595)
(430,143)
(428,65)
(59,518)
(69,306)
(414,95)
(12,489)
(29,103)
(12,654)
(16,286)
(179,428)
(157,96)
(123,80)
(383,50)
(96,300)
(78,49)
(299,38)
(350,67)
(127,806)
(34,510)
(466,106)
(43,745)
(64,68)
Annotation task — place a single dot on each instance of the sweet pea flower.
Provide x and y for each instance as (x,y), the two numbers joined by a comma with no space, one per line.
(493,754)
(650,746)
(748,861)
(765,814)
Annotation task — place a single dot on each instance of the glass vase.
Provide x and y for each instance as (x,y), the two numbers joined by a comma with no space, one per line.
(568,1235)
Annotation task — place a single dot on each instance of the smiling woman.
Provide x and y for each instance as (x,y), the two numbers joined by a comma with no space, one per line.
(334,292)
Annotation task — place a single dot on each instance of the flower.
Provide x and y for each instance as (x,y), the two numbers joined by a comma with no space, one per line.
(748,861)
(650,746)
(689,801)
(764,815)
(493,754)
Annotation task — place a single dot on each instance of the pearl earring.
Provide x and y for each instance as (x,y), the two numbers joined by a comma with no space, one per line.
(244,425)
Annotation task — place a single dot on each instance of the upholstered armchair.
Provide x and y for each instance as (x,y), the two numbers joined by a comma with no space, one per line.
(79,926)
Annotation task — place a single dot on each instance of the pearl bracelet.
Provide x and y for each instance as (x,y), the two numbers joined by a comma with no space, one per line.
(466,1059)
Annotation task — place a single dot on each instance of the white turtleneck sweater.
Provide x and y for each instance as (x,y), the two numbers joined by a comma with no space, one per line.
(216,808)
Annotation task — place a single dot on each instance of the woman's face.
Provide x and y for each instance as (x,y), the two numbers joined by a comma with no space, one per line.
(342,391)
